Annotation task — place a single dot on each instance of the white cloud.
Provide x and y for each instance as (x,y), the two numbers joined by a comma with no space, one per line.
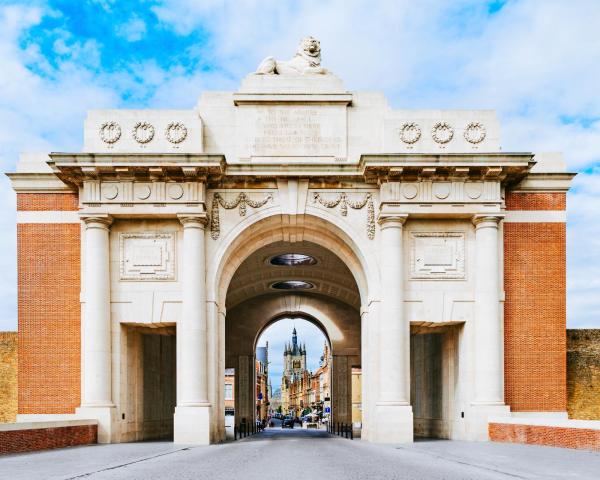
(133,30)
(534,62)
(38,112)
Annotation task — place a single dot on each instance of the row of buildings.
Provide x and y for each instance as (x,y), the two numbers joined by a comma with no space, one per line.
(301,390)
(263,385)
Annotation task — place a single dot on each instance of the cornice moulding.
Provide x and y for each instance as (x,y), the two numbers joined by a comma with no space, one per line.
(545,182)
(286,98)
(38,183)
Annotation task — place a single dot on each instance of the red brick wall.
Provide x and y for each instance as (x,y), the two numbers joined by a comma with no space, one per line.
(580,438)
(45,438)
(535,308)
(47,201)
(536,201)
(49,312)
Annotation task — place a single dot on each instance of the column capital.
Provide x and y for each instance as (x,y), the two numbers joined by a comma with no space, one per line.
(487,220)
(192,220)
(100,220)
(391,220)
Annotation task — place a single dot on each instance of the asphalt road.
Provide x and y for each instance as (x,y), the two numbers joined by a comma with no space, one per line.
(292,454)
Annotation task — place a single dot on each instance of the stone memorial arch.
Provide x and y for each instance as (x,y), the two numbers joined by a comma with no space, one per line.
(144,260)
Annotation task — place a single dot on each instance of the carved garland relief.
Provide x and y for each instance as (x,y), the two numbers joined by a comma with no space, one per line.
(142,133)
(110,132)
(442,133)
(241,201)
(176,132)
(410,133)
(475,133)
(344,202)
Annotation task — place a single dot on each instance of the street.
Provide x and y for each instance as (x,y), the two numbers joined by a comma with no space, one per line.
(283,454)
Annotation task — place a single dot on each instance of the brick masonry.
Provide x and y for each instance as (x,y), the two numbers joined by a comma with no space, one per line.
(535,307)
(579,438)
(536,201)
(583,378)
(47,202)
(8,376)
(49,309)
(29,440)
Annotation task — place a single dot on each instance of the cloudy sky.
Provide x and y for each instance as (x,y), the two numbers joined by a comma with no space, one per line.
(279,333)
(534,61)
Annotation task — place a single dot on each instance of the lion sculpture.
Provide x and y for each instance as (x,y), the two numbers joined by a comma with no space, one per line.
(307,61)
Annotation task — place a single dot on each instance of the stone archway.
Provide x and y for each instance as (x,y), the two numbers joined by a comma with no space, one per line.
(339,322)
(339,300)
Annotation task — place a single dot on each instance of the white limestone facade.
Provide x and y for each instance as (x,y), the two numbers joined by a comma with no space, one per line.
(404,210)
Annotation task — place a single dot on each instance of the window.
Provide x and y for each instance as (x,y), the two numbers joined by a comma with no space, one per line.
(228,391)
(292,260)
(292,285)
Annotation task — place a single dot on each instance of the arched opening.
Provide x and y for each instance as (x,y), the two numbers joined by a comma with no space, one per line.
(293,374)
(305,280)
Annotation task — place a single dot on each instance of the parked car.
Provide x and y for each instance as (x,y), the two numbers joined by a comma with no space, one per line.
(287,422)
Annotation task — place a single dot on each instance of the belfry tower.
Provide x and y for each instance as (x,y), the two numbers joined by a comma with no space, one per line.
(294,357)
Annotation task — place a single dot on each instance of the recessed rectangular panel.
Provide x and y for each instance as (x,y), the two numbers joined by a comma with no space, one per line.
(147,256)
(437,255)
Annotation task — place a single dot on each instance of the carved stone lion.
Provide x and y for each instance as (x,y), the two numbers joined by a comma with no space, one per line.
(307,61)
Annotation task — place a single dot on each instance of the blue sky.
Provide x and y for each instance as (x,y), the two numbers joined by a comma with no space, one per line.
(278,333)
(534,61)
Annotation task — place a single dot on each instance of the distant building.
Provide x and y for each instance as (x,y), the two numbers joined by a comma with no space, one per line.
(275,400)
(356,396)
(300,389)
(262,382)
(229,394)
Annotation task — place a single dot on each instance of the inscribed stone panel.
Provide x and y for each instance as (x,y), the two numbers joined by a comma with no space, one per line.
(437,255)
(292,131)
(147,256)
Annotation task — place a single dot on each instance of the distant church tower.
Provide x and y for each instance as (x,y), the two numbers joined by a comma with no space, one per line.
(294,358)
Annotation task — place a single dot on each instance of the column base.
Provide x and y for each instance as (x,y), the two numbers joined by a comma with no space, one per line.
(393,424)
(192,425)
(478,419)
(107,420)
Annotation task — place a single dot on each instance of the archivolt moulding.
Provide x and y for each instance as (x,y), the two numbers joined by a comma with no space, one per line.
(343,200)
(242,200)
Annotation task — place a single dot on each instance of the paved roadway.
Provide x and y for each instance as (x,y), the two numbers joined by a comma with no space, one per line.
(291,454)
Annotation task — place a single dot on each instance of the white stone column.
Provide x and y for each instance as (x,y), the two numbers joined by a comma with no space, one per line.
(96,392)
(192,414)
(488,362)
(394,413)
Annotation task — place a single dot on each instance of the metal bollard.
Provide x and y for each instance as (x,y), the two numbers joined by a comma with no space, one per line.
(234,432)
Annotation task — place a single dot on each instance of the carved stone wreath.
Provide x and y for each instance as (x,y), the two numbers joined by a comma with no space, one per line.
(442,132)
(475,133)
(143,132)
(176,132)
(344,202)
(410,133)
(110,132)
(242,200)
